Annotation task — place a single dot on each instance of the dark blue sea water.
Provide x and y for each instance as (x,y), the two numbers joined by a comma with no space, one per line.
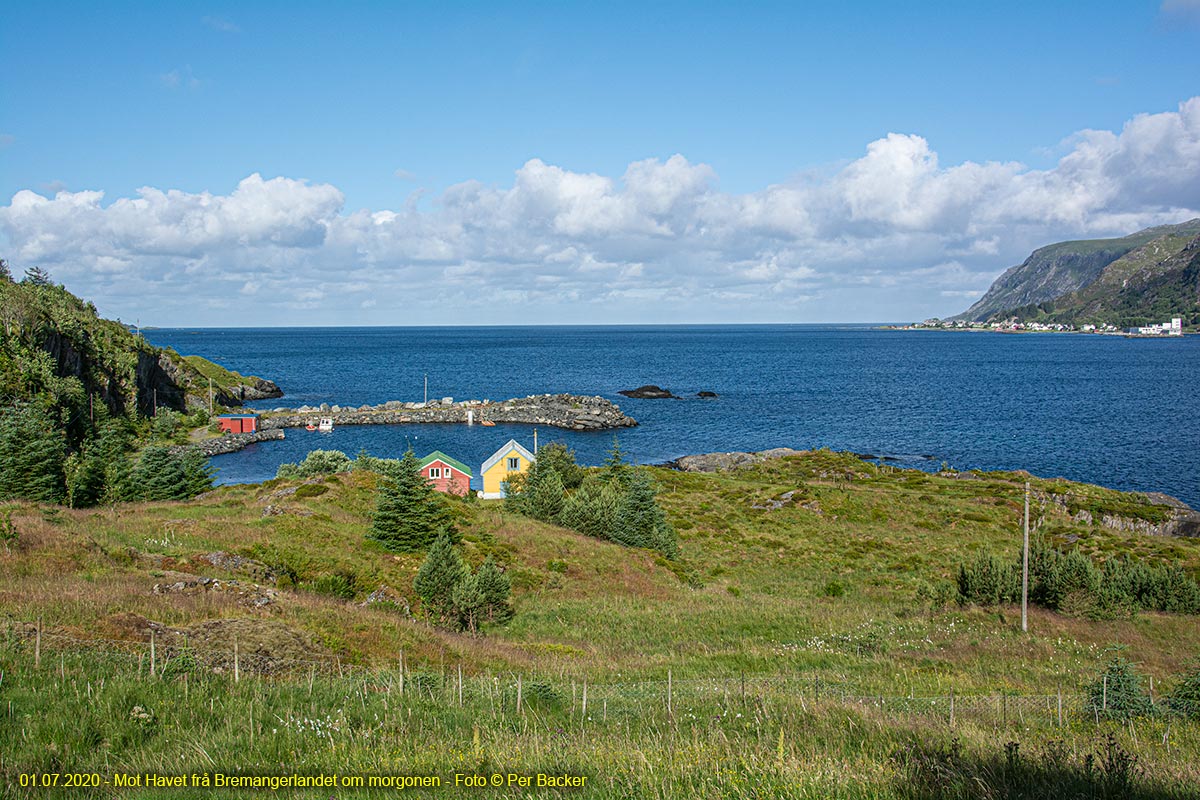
(1119,412)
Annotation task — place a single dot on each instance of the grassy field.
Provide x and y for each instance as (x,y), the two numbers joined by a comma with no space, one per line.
(817,582)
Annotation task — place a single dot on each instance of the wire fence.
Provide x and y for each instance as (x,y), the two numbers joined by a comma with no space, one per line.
(696,699)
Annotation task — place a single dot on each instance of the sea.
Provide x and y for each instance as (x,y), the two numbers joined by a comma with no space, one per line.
(1118,412)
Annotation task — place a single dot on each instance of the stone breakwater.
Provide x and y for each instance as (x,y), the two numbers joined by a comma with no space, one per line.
(572,412)
(233,442)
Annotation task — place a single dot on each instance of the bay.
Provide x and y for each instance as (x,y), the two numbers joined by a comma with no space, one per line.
(1108,410)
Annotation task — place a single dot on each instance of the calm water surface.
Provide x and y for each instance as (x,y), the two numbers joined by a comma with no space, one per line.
(1108,410)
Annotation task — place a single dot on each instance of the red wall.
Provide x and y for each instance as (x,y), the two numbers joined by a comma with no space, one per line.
(238,425)
(458,483)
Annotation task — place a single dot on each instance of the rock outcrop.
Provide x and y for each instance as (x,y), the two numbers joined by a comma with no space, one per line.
(649,392)
(717,462)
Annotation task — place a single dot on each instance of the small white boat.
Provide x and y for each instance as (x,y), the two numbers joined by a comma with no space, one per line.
(325,425)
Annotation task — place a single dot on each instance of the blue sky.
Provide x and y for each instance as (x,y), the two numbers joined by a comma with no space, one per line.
(425,119)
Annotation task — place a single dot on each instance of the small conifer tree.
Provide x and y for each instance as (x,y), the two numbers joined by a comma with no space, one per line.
(469,603)
(408,513)
(496,590)
(1119,692)
(543,493)
(441,571)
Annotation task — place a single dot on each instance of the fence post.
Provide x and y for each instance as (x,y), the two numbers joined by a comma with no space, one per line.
(460,702)
(37,646)
(1060,706)
(743,689)
(584,715)
(237,673)
(951,708)
(519,711)
(152,672)
(668,692)
(817,689)
(401,671)
(1104,696)
(1151,690)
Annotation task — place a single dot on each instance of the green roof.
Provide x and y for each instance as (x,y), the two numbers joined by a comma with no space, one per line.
(438,455)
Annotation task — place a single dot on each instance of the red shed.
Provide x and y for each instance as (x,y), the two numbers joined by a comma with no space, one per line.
(446,474)
(238,423)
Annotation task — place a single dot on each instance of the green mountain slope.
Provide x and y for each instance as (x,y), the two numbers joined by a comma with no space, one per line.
(56,350)
(1052,272)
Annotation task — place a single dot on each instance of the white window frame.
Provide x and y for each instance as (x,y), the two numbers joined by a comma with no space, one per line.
(514,463)
(435,473)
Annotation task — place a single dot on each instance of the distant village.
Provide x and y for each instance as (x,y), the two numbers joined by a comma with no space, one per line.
(1172,328)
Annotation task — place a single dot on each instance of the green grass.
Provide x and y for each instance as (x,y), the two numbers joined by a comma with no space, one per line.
(750,598)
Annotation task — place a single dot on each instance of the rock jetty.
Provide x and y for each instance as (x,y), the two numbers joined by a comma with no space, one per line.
(232,442)
(573,412)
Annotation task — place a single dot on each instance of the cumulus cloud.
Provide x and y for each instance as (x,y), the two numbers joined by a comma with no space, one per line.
(893,234)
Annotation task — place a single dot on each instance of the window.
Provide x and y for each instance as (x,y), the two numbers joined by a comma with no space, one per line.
(435,473)
(514,464)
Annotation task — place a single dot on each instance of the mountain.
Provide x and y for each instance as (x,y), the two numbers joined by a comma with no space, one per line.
(1104,266)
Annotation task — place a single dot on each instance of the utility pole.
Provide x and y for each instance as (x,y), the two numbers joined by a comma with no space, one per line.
(1025,567)
(427,388)
(154,409)
(535,441)
(210,397)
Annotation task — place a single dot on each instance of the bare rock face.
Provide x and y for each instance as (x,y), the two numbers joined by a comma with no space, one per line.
(649,392)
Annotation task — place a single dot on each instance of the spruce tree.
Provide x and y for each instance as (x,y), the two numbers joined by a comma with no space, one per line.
(158,476)
(592,508)
(408,513)
(641,522)
(32,451)
(496,590)
(441,571)
(469,604)
(197,473)
(543,495)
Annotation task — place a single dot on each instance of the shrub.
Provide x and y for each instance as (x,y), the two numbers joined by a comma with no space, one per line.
(311,490)
(317,462)
(1185,697)
(1119,692)
(988,581)
(437,577)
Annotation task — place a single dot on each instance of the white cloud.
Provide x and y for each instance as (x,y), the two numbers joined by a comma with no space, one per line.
(176,79)
(221,24)
(892,234)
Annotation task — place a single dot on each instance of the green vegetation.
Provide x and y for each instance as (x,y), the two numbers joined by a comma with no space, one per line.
(1072,582)
(409,514)
(81,395)
(802,631)
(617,503)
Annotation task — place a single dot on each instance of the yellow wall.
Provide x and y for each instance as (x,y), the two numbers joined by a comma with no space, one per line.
(499,471)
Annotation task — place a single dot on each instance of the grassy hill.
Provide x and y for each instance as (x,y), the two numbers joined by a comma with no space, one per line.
(802,572)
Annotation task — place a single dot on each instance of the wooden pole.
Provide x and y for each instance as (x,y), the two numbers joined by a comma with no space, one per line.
(402,672)
(460,702)
(37,646)
(1060,706)
(951,708)
(1104,695)
(519,711)
(668,692)
(237,672)
(210,397)
(152,670)
(1025,567)
(584,715)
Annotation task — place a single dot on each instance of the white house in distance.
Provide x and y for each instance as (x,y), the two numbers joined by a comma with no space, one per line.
(1172,328)
(511,459)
